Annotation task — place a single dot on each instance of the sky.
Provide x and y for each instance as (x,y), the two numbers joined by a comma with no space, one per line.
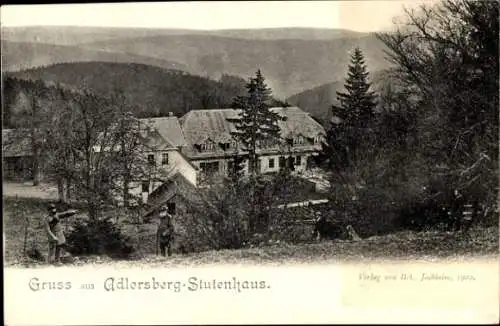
(362,16)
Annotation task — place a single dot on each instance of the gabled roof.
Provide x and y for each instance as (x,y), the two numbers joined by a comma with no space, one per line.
(199,125)
(169,128)
(298,122)
(218,125)
(155,142)
(16,142)
(177,184)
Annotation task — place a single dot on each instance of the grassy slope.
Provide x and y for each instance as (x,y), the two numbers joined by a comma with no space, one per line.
(404,245)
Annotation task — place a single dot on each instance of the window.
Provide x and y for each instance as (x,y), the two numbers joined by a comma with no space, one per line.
(145,186)
(164,158)
(171,208)
(298,140)
(282,162)
(268,143)
(271,163)
(209,167)
(207,146)
(298,160)
(317,139)
(151,159)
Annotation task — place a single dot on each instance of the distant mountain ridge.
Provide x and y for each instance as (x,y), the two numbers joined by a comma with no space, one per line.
(74,35)
(289,66)
(23,55)
(291,59)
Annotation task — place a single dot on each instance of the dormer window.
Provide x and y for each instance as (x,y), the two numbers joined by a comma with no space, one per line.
(228,146)
(317,139)
(299,140)
(207,146)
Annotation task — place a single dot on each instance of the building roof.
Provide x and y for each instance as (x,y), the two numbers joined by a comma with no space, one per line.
(177,184)
(169,128)
(159,134)
(218,125)
(16,142)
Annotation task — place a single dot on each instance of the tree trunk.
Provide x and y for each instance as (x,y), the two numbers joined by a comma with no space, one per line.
(68,190)
(92,209)
(61,190)
(36,169)
(126,188)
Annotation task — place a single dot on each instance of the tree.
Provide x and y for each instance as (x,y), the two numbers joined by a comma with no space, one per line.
(256,123)
(236,167)
(350,150)
(353,120)
(31,116)
(130,136)
(448,53)
(358,103)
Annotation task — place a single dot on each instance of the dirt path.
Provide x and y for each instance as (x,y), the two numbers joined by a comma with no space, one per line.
(27,190)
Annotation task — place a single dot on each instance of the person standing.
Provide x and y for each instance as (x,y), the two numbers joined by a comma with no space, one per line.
(469,214)
(55,232)
(465,212)
(456,209)
(165,234)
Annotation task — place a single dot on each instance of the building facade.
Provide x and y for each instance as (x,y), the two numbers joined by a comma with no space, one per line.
(199,144)
(211,146)
(164,155)
(17,155)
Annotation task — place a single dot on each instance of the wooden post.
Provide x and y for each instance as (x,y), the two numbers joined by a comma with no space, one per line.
(26,235)
(26,224)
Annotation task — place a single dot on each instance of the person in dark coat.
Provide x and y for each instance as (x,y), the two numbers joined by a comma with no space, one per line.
(325,229)
(55,232)
(464,212)
(165,234)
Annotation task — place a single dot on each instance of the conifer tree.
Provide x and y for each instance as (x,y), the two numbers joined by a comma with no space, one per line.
(256,123)
(256,126)
(353,118)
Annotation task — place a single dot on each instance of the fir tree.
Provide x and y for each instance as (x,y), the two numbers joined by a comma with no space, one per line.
(352,120)
(256,124)
(358,103)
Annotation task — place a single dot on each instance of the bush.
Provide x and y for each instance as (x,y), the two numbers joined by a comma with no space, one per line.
(99,237)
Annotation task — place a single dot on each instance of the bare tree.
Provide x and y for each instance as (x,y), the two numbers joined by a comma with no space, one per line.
(449,54)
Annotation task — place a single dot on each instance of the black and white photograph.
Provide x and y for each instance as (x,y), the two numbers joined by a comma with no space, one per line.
(183,134)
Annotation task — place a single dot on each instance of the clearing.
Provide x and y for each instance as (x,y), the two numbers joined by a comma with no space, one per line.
(406,245)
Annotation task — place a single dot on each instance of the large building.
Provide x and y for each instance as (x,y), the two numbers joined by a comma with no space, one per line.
(211,146)
(198,144)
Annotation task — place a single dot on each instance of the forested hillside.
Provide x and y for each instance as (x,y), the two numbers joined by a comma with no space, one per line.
(151,91)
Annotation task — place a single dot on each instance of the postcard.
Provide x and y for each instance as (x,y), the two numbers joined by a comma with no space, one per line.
(253,162)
